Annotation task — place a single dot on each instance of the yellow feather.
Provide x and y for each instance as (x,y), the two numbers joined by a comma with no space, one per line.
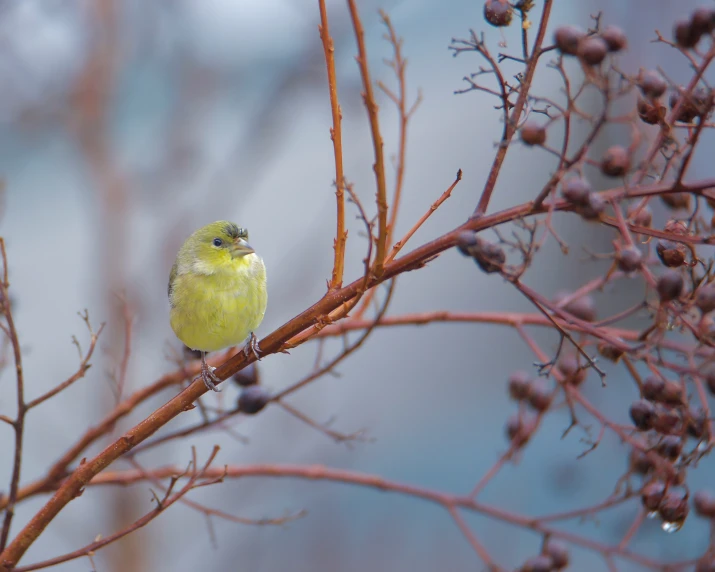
(218,297)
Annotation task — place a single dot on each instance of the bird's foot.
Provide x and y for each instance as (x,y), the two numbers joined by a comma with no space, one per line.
(252,347)
(208,376)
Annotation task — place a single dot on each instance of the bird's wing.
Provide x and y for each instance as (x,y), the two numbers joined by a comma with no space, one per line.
(172,277)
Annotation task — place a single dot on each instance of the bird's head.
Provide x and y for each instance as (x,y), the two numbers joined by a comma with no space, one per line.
(219,243)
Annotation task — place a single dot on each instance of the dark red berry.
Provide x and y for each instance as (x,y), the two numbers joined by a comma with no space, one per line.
(672,254)
(670,285)
(652,494)
(650,112)
(670,447)
(652,387)
(247,376)
(708,374)
(252,399)
(518,384)
(592,51)
(674,508)
(569,367)
(685,35)
(615,38)
(705,298)
(643,414)
(539,395)
(583,308)
(697,423)
(558,553)
(652,84)
(498,12)
(540,563)
(519,428)
(567,39)
(629,259)
(699,103)
(466,240)
(675,226)
(595,207)
(488,256)
(576,191)
(676,201)
(661,390)
(667,420)
(533,134)
(644,217)
(704,504)
(616,161)
(702,20)
(640,462)
(706,330)
(610,352)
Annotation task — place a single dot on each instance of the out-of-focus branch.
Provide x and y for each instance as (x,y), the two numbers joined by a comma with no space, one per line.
(81,371)
(59,469)
(398,64)
(320,473)
(18,424)
(170,497)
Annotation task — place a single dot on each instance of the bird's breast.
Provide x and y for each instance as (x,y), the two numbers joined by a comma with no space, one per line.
(214,311)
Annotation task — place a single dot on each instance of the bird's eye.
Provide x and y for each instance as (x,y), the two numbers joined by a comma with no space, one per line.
(218,242)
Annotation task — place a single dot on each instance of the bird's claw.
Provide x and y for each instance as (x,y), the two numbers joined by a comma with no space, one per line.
(252,347)
(208,376)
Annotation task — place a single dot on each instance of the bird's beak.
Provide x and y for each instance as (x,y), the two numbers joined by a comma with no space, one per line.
(241,248)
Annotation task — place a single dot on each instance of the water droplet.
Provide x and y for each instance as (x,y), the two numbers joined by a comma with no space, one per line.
(671,527)
(652,514)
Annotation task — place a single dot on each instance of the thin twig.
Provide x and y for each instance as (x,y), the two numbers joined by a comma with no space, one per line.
(379,166)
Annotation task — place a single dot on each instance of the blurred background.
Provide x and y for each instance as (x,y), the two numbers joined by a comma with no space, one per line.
(127,124)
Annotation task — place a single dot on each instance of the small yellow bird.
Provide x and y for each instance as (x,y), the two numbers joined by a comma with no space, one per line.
(217,292)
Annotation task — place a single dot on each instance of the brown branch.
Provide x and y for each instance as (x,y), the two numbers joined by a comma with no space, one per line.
(341,235)
(379,166)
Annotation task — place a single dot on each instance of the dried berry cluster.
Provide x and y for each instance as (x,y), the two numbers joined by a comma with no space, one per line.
(670,357)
